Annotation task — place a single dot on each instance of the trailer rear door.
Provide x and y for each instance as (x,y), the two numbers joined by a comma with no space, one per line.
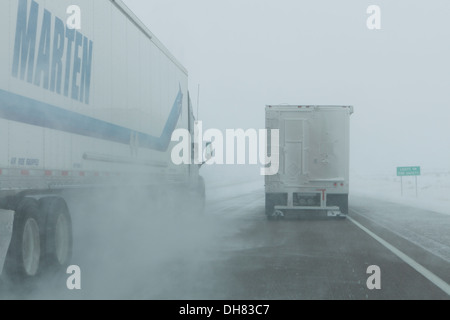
(294,162)
(329,134)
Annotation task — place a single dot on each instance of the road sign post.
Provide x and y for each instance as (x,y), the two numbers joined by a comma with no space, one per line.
(408,171)
(401,182)
(417,195)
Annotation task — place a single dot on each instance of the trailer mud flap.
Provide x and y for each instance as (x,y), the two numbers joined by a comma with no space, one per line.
(6,227)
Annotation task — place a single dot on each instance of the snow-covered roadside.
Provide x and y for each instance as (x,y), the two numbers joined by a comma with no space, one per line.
(433,189)
(428,230)
(381,201)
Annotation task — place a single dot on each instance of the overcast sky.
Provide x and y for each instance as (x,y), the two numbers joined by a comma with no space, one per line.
(249,53)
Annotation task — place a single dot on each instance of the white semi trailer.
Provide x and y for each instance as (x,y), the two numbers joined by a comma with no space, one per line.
(81,108)
(314,146)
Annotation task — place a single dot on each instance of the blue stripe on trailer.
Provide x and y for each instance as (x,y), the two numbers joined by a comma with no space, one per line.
(26,110)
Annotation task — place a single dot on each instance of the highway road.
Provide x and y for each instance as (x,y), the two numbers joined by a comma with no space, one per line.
(234,253)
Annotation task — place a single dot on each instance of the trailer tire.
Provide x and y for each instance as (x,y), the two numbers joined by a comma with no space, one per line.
(57,237)
(24,257)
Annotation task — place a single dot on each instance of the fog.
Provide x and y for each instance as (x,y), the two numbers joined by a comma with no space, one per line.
(137,243)
(246,54)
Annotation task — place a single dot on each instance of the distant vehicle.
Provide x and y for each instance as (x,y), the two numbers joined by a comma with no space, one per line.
(314,156)
(88,108)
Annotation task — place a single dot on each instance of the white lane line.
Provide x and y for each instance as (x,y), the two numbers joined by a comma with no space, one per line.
(441,284)
(435,247)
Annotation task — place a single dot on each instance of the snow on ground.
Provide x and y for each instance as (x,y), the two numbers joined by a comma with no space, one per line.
(227,182)
(433,189)
(423,219)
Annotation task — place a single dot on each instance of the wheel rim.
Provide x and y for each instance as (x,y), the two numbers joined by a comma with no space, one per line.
(31,247)
(62,239)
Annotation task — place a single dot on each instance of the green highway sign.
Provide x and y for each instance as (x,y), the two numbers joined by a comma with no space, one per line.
(408,171)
